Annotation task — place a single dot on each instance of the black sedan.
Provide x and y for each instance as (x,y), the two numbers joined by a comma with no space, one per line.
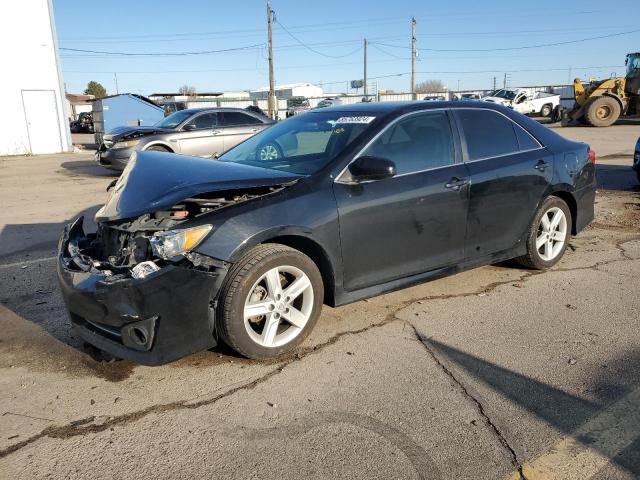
(364,199)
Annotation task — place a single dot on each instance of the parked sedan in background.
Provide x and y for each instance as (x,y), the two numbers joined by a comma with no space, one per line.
(204,132)
(371,197)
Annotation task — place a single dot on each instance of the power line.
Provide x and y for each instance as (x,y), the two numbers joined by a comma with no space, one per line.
(500,49)
(377,47)
(322,26)
(312,49)
(164,54)
(497,70)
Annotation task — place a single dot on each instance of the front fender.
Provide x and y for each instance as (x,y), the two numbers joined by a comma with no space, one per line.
(157,143)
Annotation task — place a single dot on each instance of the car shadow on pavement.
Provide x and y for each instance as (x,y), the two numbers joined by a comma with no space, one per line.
(87,168)
(568,413)
(616,177)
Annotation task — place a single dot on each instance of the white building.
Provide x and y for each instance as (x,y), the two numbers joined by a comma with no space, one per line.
(34,113)
(285,92)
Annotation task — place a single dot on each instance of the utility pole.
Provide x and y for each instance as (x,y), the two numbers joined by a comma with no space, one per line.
(271,99)
(494,84)
(115,76)
(365,68)
(504,82)
(414,54)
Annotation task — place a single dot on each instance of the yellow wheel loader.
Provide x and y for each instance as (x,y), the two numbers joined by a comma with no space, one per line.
(602,102)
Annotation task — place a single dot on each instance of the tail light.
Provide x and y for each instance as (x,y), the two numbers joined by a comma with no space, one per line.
(592,156)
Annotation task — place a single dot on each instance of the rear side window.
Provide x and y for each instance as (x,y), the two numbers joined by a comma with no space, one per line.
(488,134)
(525,140)
(238,118)
(418,142)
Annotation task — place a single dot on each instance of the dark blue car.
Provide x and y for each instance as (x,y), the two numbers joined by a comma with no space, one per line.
(364,199)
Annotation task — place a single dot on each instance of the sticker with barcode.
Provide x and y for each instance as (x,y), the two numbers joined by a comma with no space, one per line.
(355,119)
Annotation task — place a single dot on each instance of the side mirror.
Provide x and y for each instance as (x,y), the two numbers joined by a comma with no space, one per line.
(368,168)
(188,127)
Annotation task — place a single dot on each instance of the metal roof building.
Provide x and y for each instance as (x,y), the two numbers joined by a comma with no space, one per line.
(34,114)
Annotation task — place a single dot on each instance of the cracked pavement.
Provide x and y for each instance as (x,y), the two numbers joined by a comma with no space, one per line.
(493,373)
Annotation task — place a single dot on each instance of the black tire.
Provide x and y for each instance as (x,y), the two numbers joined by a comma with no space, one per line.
(270,147)
(638,175)
(602,111)
(533,259)
(240,281)
(157,148)
(546,110)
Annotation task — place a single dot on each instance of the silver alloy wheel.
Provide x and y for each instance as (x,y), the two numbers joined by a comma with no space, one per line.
(552,233)
(268,152)
(278,306)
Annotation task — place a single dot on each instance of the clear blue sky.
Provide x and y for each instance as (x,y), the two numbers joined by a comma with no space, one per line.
(335,28)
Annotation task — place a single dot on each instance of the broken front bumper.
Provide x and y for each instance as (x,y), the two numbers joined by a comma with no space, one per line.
(113,158)
(152,320)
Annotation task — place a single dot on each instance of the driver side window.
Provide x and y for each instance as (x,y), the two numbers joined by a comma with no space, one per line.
(207,120)
(419,142)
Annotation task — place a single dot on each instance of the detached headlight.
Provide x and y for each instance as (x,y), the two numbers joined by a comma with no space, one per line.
(127,144)
(176,242)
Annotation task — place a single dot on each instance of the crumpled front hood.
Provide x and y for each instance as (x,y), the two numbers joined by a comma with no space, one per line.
(155,181)
(124,132)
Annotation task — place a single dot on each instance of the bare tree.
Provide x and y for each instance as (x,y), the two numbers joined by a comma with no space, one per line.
(188,90)
(430,86)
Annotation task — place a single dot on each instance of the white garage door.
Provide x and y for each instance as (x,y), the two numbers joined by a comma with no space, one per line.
(41,113)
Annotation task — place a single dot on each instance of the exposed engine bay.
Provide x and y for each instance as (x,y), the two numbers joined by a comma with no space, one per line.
(118,247)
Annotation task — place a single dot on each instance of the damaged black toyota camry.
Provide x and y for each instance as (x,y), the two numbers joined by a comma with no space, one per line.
(355,200)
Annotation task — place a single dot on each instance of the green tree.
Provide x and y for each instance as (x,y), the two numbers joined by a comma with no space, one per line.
(95,89)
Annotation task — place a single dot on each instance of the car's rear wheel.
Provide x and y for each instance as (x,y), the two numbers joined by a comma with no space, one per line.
(548,235)
(269,152)
(270,302)
(157,148)
(546,110)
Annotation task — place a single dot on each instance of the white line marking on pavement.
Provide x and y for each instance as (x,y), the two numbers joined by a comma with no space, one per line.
(27,262)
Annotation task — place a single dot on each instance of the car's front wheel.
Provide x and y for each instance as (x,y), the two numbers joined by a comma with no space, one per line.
(548,235)
(270,302)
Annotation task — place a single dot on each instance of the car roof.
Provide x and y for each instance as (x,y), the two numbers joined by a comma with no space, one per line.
(215,109)
(390,107)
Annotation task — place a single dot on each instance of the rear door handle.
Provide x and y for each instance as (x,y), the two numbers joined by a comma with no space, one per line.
(541,165)
(215,132)
(254,130)
(456,183)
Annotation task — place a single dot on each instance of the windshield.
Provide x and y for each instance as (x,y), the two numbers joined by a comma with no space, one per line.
(301,144)
(508,94)
(633,65)
(175,119)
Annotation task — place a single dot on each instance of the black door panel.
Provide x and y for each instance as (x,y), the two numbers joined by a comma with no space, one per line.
(509,173)
(401,226)
(504,194)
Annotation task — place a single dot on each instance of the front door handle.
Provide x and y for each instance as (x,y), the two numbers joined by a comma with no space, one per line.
(541,165)
(215,132)
(456,183)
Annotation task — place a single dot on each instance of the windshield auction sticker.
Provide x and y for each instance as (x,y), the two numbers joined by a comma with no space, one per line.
(355,119)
